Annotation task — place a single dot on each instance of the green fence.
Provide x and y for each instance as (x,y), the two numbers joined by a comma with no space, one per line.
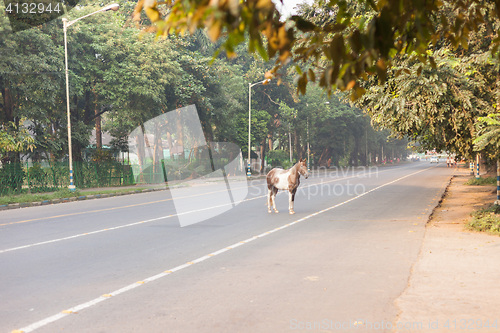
(44,177)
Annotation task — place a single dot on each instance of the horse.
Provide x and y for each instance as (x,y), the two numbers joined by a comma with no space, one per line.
(279,179)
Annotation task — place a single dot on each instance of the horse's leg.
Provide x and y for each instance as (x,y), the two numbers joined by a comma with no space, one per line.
(291,198)
(269,200)
(273,198)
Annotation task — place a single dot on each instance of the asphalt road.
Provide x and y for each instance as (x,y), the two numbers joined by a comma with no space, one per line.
(133,264)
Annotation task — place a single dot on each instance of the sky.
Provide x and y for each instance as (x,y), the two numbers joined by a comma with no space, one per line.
(288,6)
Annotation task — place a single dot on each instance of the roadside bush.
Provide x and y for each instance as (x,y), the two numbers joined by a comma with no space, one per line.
(11,178)
(482,181)
(39,180)
(278,158)
(486,220)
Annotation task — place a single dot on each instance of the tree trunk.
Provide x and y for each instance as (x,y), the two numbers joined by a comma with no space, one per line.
(8,105)
(170,146)
(141,151)
(262,155)
(355,152)
(324,157)
(158,147)
(98,131)
(296,144)
(497,202)
(8,115)
(179,134)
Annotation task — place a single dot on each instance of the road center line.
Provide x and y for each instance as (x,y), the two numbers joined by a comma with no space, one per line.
(145,203)
(108,209)
(64,313)
(158,218)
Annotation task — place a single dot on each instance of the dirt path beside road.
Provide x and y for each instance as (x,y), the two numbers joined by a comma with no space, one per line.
(455,283)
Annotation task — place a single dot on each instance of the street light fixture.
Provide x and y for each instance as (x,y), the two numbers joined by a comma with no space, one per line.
(66,24)
(250,85)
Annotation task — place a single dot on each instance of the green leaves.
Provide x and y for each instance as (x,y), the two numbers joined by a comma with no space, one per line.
(436,108)
(15,138)
(356,36)
(488,135)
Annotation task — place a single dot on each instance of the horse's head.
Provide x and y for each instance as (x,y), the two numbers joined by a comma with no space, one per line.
(302,168)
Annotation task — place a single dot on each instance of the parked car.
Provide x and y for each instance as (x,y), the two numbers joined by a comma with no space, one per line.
(434,160)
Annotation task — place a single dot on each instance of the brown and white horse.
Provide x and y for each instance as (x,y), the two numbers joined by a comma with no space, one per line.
(279,179)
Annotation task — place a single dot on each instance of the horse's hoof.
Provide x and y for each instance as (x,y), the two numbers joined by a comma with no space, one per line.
(276,211)
(292,212)
(269,211)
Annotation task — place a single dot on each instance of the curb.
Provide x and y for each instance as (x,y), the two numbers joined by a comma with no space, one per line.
(440,201)
(95,196)
(72,199)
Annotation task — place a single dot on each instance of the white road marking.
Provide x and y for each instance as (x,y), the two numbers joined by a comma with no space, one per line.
(132,286)
(157,218)
(170,199)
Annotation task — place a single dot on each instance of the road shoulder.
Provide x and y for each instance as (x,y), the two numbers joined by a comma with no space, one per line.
(454,283)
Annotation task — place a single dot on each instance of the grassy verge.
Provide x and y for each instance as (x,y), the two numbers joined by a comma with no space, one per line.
(486,220)
(482,181)
(60,194)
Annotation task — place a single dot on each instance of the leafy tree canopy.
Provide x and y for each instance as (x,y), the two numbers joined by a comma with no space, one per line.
(124,78)
(341,41)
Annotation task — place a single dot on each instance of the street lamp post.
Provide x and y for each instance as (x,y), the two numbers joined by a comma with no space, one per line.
(308,150)
(66,24)
(250,85)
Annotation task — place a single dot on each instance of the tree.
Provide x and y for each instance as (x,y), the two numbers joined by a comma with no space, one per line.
(488,136)
(30,85)
(126,78)
(488,140)
(437,108)
(342,50)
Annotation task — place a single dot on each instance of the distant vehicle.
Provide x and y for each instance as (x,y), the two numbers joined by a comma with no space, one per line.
(434,160)
(414,158)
